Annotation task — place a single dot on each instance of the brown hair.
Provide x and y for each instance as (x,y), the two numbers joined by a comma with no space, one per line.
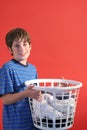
(15,35)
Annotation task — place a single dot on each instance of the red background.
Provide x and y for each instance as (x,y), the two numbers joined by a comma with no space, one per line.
(58,30)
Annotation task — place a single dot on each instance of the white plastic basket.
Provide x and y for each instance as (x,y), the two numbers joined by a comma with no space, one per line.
(58,107)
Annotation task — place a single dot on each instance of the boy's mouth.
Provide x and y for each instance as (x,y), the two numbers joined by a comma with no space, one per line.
(22,54)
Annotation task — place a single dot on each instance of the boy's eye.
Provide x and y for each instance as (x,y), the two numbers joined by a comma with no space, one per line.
(16,45)
(25,44)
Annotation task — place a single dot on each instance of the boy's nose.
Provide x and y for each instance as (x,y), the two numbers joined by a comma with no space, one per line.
(21,47)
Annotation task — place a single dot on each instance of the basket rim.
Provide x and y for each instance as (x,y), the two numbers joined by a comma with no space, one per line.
(52,80)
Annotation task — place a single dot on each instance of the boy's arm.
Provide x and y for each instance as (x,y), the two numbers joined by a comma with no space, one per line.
(28,92)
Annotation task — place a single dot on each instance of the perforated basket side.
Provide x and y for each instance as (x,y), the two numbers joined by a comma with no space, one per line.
(58,107)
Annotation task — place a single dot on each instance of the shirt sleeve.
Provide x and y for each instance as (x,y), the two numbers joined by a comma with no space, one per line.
(6,85)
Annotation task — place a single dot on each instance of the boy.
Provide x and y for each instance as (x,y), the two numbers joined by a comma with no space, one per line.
(14,73)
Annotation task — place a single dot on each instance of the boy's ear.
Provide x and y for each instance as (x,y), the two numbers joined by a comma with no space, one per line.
(10,50)
(30,47)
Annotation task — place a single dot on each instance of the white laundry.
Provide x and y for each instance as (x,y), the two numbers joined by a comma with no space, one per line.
(60,105)
(43,109)
(51,107)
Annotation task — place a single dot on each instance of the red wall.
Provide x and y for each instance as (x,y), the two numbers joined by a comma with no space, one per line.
(58,31)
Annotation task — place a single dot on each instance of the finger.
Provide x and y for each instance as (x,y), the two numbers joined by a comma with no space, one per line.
(39,98)
(31,86)
(39,92)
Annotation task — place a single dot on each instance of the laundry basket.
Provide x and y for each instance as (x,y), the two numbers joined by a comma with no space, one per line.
(57,109)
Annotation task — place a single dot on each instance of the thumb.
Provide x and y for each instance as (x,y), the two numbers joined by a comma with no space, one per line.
(31,86)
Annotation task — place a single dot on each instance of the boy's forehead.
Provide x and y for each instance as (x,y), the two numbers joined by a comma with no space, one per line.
(20,40)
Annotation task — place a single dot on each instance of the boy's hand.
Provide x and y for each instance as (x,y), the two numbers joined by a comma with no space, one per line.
(32,93)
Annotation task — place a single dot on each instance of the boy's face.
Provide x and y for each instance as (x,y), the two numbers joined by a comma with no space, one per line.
(20,51)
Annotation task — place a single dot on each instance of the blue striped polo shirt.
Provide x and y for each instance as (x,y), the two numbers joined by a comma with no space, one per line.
(16,116)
